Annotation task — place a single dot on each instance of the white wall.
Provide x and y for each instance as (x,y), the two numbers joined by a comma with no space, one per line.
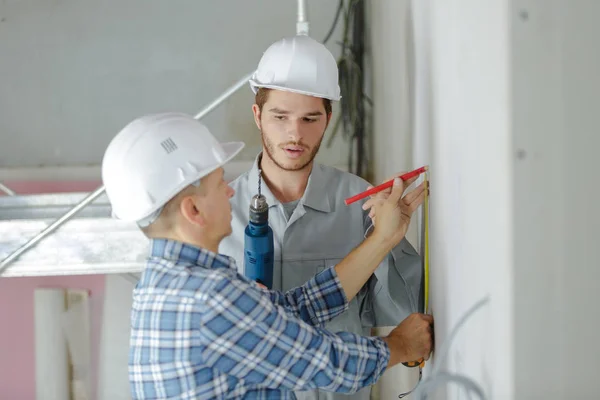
(556,97)
(513,112)
(77,71)
(471,181)
(441,75)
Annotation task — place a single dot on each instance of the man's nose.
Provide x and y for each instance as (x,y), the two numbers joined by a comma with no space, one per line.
(295,130)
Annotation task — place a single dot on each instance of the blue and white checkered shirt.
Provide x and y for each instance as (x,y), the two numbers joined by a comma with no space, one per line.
(200,330)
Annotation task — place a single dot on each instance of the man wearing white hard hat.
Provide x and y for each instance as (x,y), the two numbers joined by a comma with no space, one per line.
(295,84)
(200,330)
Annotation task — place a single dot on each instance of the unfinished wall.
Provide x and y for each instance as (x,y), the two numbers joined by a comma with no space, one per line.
(17,345)
(74,72)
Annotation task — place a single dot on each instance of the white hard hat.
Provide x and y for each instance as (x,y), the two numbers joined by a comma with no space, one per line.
(155,157)
(298,64)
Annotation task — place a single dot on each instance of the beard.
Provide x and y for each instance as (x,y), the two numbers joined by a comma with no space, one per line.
(299,165)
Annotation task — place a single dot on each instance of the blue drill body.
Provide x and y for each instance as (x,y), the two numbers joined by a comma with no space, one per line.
(258,243)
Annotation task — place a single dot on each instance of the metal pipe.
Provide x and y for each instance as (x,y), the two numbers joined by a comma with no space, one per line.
(56,224)
(226,94)
(7,190)
(51,228)
(302,25)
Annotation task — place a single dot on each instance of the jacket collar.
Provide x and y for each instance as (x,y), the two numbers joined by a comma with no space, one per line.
(315,196)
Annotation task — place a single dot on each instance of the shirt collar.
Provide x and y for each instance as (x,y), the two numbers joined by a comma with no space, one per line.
(182,252)
(315,196)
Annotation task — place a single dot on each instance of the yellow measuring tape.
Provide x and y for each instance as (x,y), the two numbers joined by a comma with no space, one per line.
(421,363)
(426,246)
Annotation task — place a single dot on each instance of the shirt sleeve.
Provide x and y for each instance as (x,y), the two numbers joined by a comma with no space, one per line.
(316,302)
(245,335)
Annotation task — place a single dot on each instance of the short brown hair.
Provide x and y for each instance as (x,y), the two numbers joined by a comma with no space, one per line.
(262,95)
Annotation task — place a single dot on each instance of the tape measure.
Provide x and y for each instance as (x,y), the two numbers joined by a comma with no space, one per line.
(420,363)
(426,247)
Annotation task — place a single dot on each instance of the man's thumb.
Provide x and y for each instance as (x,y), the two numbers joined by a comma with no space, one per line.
(397,190)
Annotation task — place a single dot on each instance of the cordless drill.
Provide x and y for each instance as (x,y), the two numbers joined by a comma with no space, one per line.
(258,241)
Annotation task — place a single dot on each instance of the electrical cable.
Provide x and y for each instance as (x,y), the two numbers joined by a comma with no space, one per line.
(353,114)
(437,378)
(338,12)
(358,45)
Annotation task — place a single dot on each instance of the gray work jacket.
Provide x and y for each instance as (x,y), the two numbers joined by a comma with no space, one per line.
(320,232)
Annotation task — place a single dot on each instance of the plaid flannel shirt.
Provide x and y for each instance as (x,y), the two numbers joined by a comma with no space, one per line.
(200,330)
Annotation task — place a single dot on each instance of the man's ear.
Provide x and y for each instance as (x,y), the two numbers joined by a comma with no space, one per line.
(256,111)
(191,209)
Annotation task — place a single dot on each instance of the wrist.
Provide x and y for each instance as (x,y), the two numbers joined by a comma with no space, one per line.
(394,353)
(397,350)
(384,241)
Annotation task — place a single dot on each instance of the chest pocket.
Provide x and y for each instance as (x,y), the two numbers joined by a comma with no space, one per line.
(298,270)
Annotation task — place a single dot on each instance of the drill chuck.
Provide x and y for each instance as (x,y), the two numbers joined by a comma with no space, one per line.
(259,210)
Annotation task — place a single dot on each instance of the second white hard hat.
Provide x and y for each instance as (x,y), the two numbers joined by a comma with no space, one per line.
(155,157)
(298,64)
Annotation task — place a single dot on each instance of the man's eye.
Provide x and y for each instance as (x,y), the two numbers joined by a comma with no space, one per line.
(310,119)
(279,117)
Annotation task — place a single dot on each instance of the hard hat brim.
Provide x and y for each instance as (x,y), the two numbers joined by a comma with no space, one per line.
(255,86)
(231,149)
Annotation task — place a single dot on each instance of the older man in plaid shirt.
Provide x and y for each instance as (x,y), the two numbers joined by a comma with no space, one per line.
(200,330)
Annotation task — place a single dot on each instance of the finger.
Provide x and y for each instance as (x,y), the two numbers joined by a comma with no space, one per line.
(367,204)
(410,181)
(407,182)
(371,203)
(397,190)
(416,202)
(427,350)
(382,193)
(428,318)
(413,194)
